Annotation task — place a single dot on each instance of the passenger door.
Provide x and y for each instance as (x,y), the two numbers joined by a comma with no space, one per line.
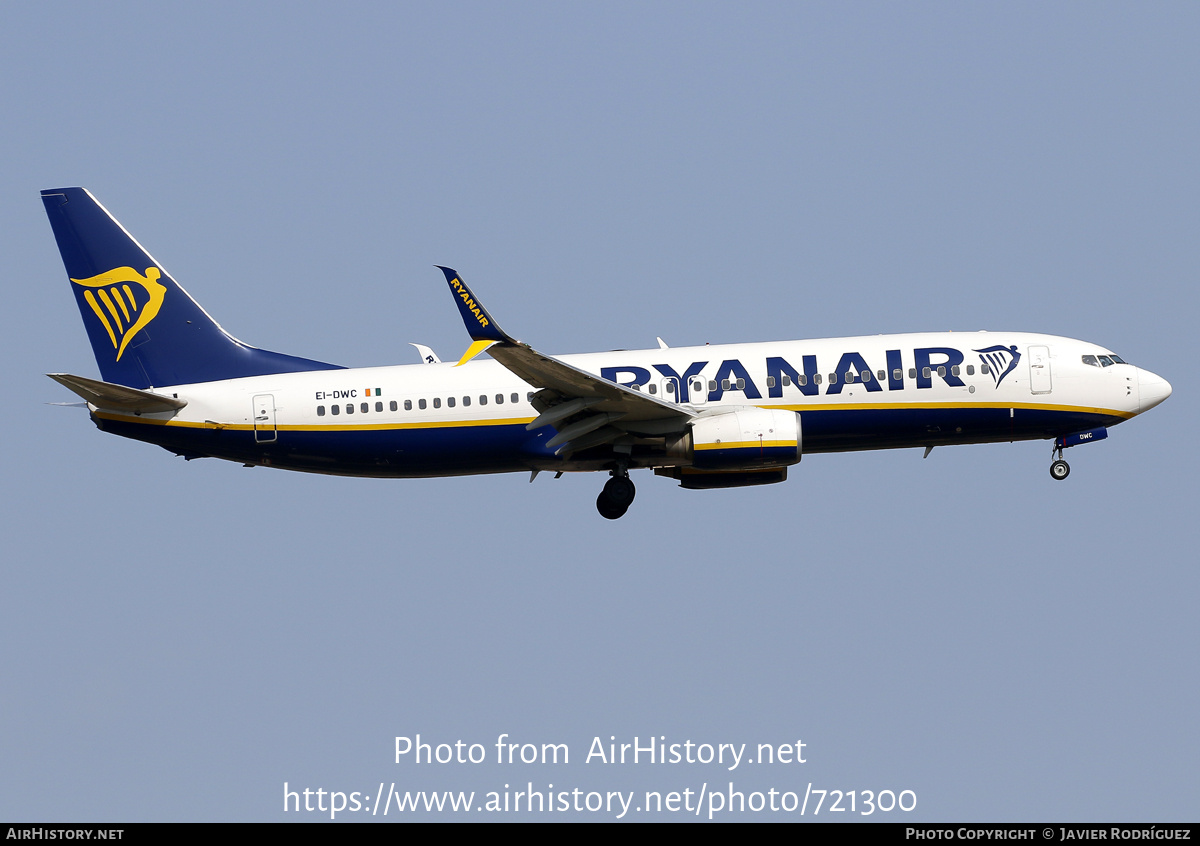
(1039,370)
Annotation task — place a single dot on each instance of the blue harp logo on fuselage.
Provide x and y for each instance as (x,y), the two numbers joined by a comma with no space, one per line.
(1001,360)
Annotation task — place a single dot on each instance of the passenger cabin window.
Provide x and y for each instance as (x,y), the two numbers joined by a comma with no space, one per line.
(881,375)
(941,370)
(393,407)
(349,408)
(770,381)
(437,402)
(379,406)
(724,384)
(816,378)
(365,407)
(513,398)
(499,399)
(449,402)
(925,372)
(466,401)
(787,380)
(897,374)
(954,371)
(970,369)
(421,404)
(801,380)
(335,410)
(912,372)
(483,399)
(833,378)
(984,369)
(741,384)
(320,411)
(408,405)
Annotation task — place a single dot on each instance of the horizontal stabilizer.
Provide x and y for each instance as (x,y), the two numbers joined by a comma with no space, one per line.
(117,397)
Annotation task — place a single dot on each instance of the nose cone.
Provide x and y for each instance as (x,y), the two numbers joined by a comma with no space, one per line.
(1152,389)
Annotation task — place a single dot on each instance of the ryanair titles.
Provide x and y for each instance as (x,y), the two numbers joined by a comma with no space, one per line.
(468,301)
(928,364)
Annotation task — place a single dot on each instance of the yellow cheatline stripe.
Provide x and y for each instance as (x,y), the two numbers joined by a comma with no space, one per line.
(515,421)
(91,300)
(116,292)
(891,406)
(748,445)
(475,349)
(370,427)
(112,309)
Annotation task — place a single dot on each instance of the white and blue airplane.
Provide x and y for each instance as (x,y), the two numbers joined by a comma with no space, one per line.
(716,416)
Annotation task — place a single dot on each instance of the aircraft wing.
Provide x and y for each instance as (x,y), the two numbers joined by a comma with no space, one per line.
(585,409)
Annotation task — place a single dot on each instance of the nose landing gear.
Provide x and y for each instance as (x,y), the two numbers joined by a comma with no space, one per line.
(1059,469)
(617,495)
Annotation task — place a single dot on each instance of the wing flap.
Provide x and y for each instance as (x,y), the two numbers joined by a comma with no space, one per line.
(544,371)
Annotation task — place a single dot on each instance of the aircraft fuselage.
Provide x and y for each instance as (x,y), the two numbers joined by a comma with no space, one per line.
(872,392)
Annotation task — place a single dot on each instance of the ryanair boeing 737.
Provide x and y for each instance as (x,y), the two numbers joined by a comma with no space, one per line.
(709,417)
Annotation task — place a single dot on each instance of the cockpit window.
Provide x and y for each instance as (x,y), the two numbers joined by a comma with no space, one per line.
(1118,360)
(1091,359)
(1106,361)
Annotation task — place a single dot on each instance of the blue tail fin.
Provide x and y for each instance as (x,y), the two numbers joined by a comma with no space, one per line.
(144,328)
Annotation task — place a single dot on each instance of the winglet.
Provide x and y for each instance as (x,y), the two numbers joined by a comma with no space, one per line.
(482,328)
(428,356)
(480,325)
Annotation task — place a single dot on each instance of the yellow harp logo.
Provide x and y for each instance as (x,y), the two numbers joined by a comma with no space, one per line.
(123,310)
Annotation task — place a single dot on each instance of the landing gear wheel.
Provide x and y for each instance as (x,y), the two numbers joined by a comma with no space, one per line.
(616,497)
(1060,470)
(608,510)
(620,490)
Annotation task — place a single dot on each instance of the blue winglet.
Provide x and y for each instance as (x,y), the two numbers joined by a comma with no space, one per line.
(480,325)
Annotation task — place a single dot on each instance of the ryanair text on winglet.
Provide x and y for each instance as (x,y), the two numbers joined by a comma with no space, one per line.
(468,301)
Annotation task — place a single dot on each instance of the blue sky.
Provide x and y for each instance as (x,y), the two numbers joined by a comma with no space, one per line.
(182,639)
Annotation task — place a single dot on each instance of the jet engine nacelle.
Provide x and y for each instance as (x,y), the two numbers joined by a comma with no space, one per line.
(746,439)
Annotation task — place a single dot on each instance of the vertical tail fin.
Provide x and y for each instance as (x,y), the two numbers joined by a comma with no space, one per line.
(144,328)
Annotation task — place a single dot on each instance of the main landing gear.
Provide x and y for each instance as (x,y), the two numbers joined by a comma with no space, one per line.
(617,495)
(1059,469)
